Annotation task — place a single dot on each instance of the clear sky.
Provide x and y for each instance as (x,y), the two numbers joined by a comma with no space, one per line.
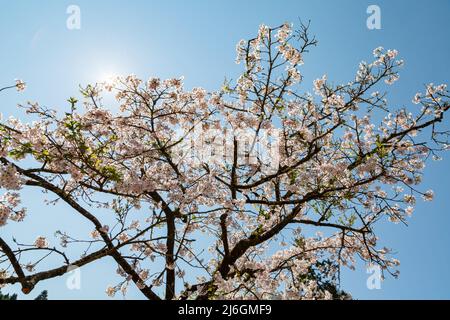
(197,39)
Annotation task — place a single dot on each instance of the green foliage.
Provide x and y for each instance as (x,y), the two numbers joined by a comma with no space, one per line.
(73,126)
(111,173)
(22,151)
(72,102)
(226,86)
(89,91)
(42,296)
(279,105)
(317,273)
(381,149)
(293,176)
(8,296)
(264,213)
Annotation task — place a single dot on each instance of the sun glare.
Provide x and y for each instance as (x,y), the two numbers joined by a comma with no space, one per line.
(108,78)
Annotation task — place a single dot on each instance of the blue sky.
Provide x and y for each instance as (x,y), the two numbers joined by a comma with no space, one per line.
(197,39)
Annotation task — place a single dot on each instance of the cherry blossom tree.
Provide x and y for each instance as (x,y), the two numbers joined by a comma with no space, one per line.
(259,190)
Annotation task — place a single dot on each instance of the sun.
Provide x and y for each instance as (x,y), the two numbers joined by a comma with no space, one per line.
(108,78)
